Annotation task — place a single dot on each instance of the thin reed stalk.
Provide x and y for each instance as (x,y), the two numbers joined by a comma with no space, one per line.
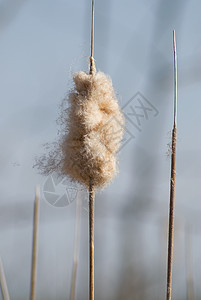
(91,240)
(92,39)
(35,245)
(189,264)
(91,186)
(172,181)
(4,287)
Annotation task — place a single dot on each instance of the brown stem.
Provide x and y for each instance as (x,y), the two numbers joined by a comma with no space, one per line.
(189,264)
(92,71)
(91,240)
(171,214)
(35,246)
(4,287)
(92,65)
(172,180)
(73,283)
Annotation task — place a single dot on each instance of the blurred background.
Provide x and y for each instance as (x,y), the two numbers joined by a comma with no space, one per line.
(42,43)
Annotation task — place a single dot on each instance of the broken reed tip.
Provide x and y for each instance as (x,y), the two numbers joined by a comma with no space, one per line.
(175,79)
(37,192)
(174,40)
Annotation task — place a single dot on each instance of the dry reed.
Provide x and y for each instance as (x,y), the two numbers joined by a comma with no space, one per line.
(172,181)
(4,287)
(91,241)
(35,245)
(189,264)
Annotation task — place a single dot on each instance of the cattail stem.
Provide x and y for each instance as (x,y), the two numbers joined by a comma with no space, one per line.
(172,181)
(76,247)
(189,264)
(4,288)
(92,71)
(92,40)
(35,245)
(91,240)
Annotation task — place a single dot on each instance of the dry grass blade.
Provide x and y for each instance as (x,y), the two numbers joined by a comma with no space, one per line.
(172,181)
(35,245)
(4,288)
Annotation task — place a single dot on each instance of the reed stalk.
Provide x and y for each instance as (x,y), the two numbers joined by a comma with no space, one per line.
(35,245)
(91,240)
(172,181)
(4,287)
(91,187)
(189,264)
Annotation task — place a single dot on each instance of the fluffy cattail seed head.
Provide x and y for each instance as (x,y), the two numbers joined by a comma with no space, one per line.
(92,135)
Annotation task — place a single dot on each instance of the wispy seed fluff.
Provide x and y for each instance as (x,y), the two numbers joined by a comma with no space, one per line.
(93,130)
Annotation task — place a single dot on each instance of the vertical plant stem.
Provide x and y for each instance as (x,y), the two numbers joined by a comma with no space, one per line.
(171,215)
(189,264)
(35,245)
(92,40)
(91,240)
(4,288)
(172,181)
(76,247)
(91,186)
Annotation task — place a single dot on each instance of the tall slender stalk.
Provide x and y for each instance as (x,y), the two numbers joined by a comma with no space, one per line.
(91,240)
(35,245)
(92,39)
(91,186)
(189,264)
(4,288)
(172,180)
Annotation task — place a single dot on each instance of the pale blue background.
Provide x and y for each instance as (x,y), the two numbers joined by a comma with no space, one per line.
(42,43)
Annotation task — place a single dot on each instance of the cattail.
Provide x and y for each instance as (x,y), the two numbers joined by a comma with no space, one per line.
(94,121)
(93,129)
